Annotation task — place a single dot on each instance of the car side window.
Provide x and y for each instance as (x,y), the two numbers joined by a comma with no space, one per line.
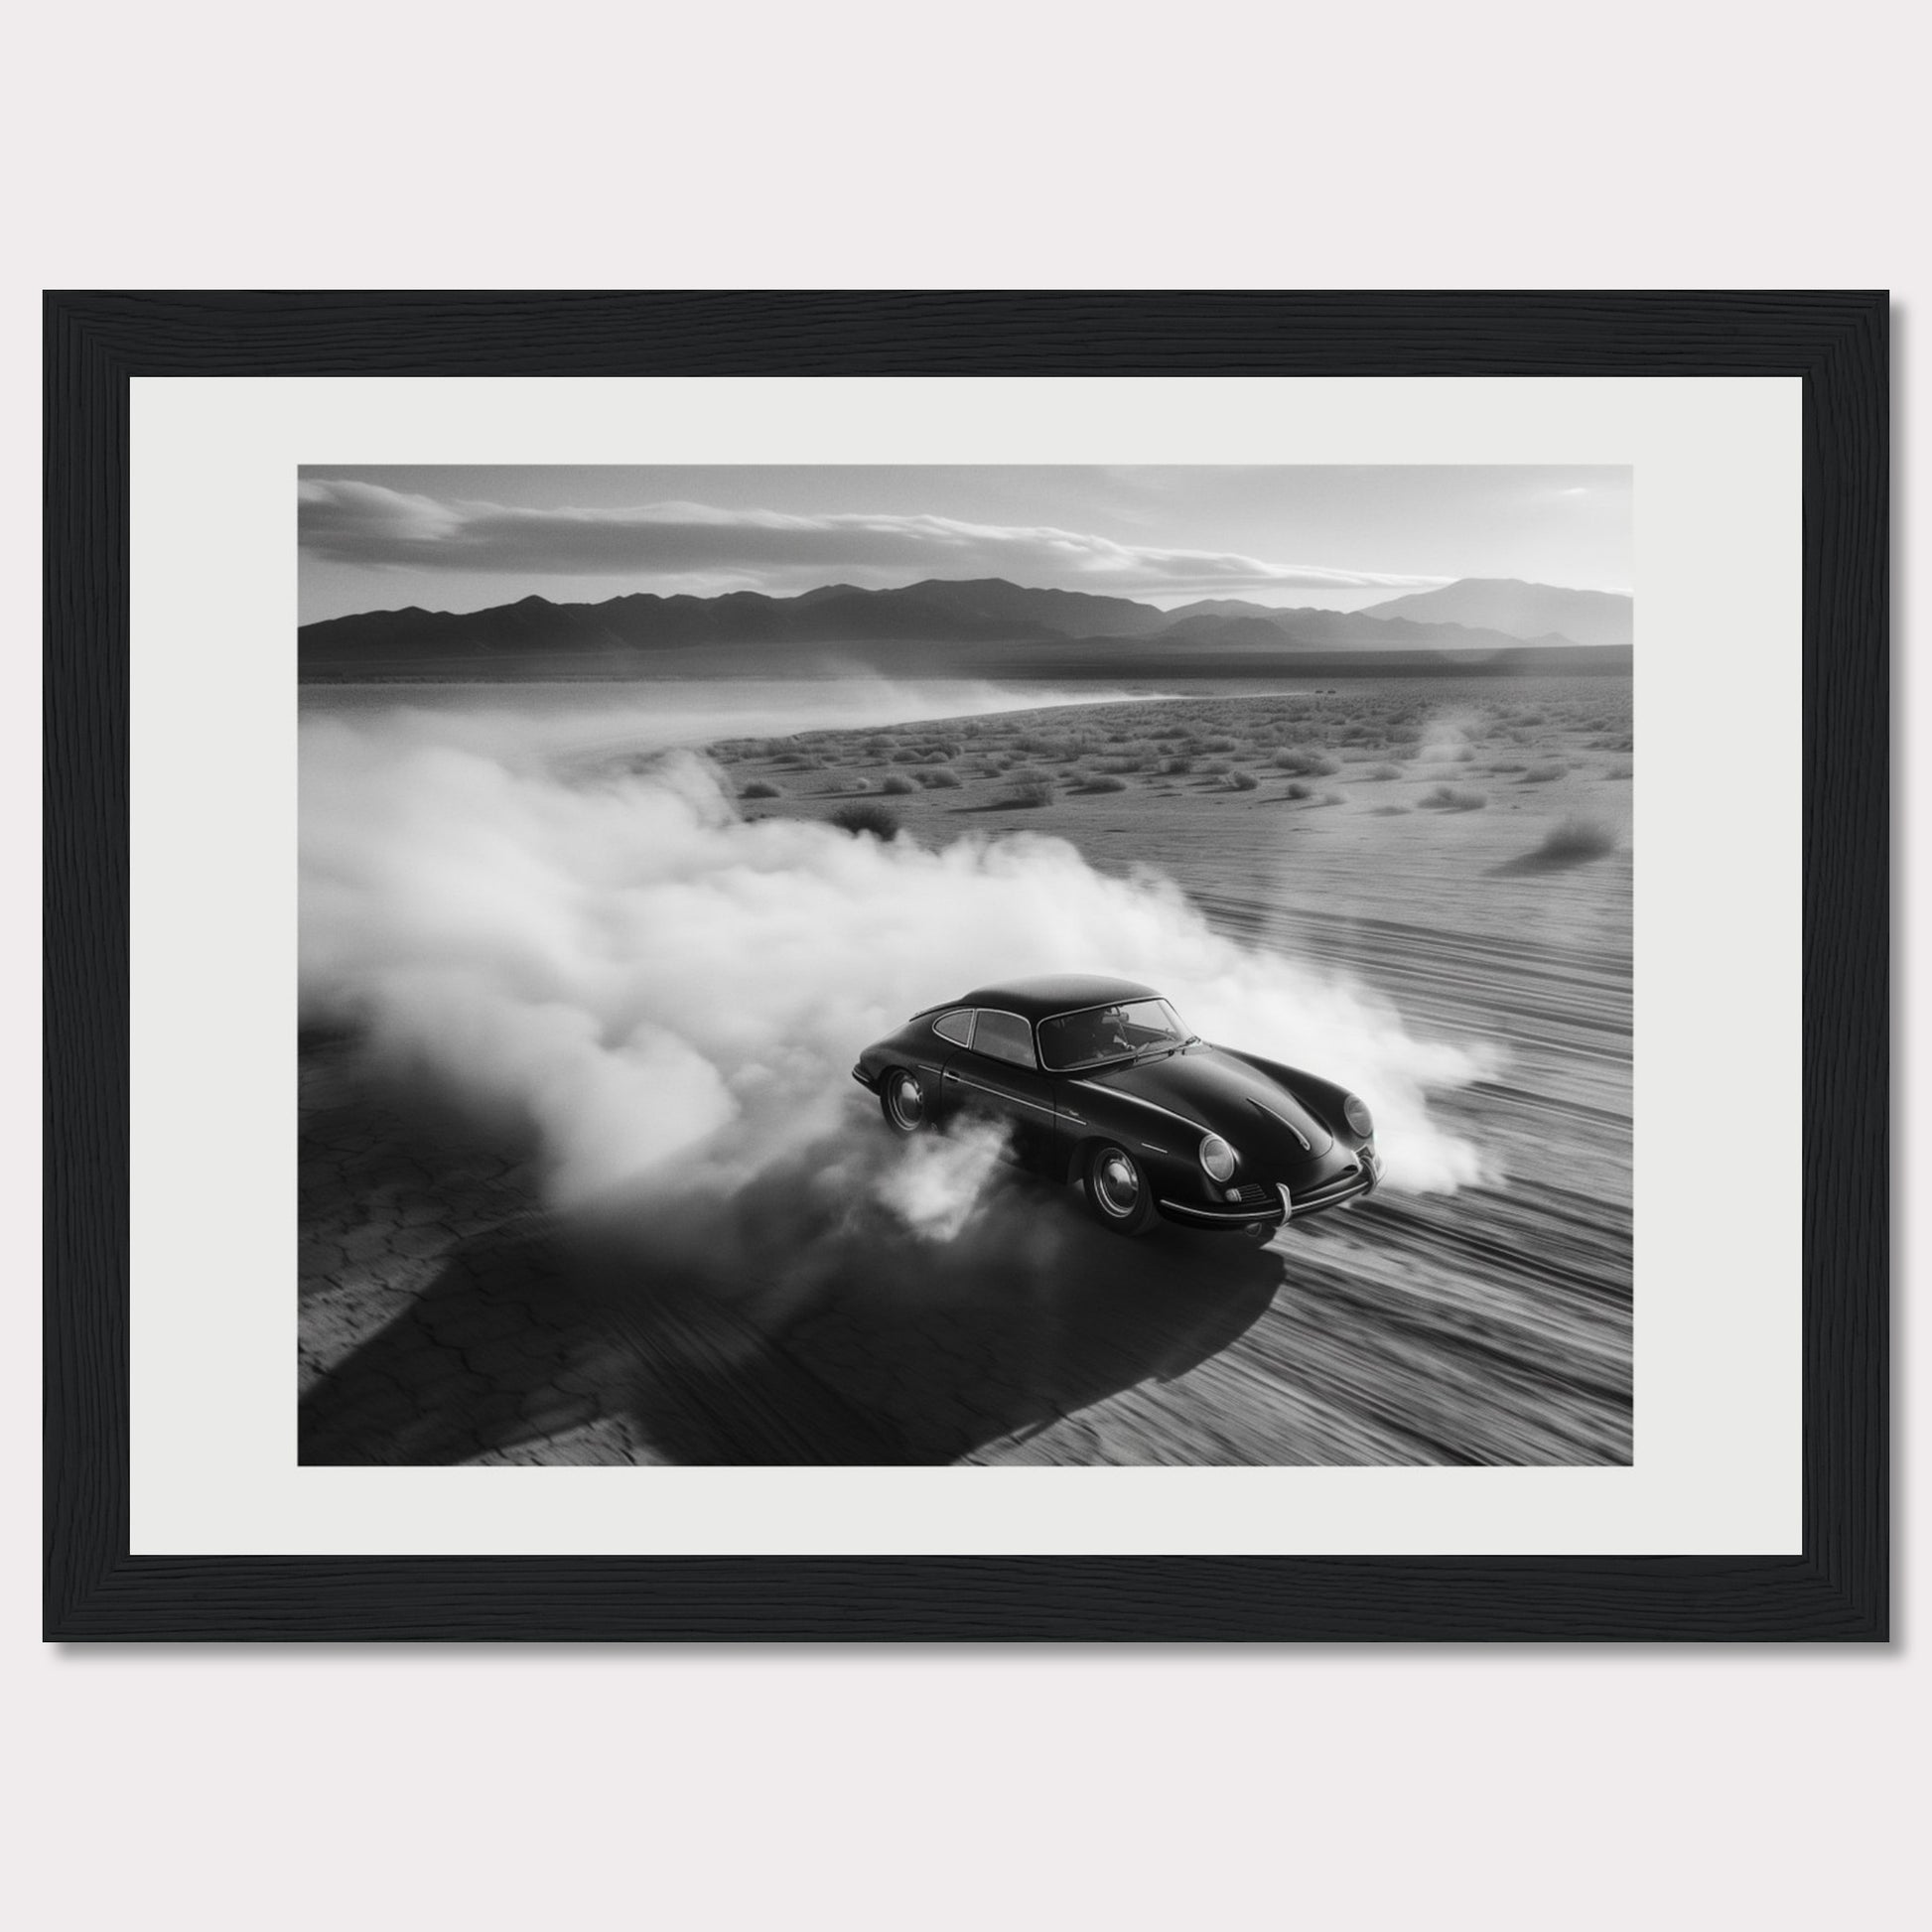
(1004,1036)
(956,1025)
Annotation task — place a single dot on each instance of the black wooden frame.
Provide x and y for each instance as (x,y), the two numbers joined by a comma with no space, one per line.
(1837,1590)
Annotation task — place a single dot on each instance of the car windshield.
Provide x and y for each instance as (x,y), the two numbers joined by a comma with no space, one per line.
(1116,1033)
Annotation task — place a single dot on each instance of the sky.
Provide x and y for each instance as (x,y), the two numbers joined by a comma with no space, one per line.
(1339,538)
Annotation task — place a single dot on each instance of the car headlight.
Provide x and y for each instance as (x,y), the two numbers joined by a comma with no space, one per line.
(1358,1116)
(1217,1157)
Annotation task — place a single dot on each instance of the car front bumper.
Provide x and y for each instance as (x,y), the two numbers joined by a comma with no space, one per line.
(1361,1177)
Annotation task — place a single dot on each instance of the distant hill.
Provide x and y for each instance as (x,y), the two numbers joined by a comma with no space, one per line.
(933,626)
(1226,623)
(1223,607)
(1072,614)
(1227,631)
(1518,610)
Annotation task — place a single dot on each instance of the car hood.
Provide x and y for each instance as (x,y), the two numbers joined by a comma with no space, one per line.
(1227,1096)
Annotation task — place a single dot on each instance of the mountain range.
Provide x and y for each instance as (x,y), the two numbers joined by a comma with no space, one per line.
(627,634)
(1522,610)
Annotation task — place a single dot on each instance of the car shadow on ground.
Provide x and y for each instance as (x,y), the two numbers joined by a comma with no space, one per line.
(782,1327)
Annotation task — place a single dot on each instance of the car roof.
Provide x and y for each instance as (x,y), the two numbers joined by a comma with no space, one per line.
(1050,993)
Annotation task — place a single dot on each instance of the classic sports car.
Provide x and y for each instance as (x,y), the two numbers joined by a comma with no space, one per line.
(1099,1081)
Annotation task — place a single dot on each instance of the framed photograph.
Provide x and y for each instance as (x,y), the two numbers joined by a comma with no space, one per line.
(886,967)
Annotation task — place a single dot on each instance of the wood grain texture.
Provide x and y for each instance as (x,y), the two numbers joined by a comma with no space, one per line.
(1837,1590)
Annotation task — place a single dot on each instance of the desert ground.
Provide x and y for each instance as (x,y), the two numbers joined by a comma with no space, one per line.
(1459,846)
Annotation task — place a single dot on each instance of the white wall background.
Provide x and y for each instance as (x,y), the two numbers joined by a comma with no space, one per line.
(1684,145)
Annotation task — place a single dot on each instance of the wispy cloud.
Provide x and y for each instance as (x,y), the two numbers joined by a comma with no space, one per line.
(368,524)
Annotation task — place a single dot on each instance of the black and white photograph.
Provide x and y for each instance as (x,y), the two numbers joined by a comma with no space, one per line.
(992,965)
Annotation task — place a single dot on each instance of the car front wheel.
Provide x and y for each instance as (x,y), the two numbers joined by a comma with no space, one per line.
(902,1100)
(1118,1191)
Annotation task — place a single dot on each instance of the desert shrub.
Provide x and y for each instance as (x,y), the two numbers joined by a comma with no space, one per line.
(1390,811)
(1453,798)
(1031,788)
(896,787)
(1575,838)
(1506,765)
(1176,767)
(906,757)
(1243,781)
(1299,791)
(1540,775)
(1123,764)
(1306,765)
(1380,772)
(1617,772)
(876,821)
(938,778)
(1170,731)
(1333,798)
(757,788)
(1217,745)
(1104,783)
(1214,768)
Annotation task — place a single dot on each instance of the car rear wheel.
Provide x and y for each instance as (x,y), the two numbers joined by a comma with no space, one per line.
(1118,1191)
(902,1101)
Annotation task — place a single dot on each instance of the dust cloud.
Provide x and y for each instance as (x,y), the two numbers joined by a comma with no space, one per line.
(668,998)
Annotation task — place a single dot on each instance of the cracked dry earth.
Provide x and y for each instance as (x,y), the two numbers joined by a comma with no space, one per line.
(445,1318)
